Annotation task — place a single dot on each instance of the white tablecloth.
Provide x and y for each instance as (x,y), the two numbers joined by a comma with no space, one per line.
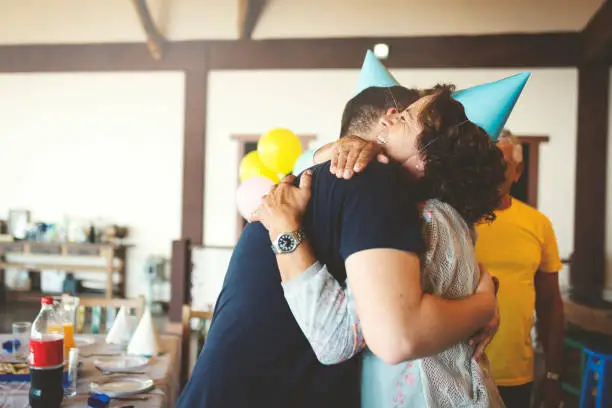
(164,370)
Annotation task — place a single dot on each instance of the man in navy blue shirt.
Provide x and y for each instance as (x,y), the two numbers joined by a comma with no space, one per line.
(255,354)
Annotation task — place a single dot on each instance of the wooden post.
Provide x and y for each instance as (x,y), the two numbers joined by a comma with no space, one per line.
(120,256)
(587,275)
(194,143)
(109,256)
(3,287)
(249,12)
(185,344)
(180,278)
(155,40)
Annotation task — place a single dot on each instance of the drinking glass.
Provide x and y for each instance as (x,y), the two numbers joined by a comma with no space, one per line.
(21,332)
(70,389)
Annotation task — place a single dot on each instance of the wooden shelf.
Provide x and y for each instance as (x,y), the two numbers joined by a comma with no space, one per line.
(34,296)
(37,267)
(27,295)
(51,248)
(49,256)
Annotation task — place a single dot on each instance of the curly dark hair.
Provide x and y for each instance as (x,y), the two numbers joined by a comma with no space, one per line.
(463,167)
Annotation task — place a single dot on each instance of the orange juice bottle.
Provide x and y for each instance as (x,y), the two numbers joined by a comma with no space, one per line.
(68,336)
(68,306)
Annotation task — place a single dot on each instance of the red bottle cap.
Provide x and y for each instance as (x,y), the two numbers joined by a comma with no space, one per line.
(46,300)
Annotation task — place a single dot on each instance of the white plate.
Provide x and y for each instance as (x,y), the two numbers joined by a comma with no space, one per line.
(121,363)
(122,385)
(83,341)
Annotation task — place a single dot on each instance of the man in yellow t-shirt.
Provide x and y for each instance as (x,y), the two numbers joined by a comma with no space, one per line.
(520,249)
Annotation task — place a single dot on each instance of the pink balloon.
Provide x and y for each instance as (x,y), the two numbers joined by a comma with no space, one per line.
(249,193)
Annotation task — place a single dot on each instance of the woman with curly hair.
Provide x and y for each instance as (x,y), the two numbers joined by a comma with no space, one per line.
(459,171)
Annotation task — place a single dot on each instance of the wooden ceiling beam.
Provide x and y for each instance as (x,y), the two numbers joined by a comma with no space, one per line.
(155,40)
(487,51)
(249,12)
(597,35)
(178,56)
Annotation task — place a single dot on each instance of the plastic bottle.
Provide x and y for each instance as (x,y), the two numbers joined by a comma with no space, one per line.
(46,358)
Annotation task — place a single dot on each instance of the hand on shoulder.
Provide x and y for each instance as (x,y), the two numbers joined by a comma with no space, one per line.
(281,210)
(352,154)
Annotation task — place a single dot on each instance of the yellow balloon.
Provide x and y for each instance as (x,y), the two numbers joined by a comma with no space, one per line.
(279,149)
(251,166)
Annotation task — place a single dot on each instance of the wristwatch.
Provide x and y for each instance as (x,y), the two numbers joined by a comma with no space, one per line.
(287,242)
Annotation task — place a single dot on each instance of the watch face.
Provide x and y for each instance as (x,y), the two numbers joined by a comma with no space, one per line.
(286,243)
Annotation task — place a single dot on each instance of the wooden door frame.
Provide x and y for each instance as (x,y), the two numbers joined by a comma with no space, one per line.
(533,165)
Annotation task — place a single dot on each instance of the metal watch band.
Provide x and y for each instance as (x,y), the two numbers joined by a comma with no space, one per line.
(298,235)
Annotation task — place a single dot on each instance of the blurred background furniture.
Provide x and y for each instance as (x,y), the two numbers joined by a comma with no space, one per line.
(596,380)
(190,342)
(93,313)
(34,257)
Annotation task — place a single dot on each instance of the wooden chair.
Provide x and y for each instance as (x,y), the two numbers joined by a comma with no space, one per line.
(189,314)
(135,305)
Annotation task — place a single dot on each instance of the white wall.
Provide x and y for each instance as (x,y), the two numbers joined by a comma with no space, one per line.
(311,102)
(93,145)
(93,21)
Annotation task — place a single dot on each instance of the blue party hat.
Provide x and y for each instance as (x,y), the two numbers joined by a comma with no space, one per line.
(374,73)
(489,105)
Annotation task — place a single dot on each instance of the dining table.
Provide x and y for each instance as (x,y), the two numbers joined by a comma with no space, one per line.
(163,369)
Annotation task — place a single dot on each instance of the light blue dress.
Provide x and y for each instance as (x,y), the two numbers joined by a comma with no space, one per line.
(396,386)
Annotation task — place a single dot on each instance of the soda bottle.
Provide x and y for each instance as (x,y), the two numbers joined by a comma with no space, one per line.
(46,357)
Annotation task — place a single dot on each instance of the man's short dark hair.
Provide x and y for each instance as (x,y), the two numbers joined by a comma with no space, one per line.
(365,108)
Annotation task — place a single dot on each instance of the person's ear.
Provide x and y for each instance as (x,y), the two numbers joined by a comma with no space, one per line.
(420,165)
(386,119)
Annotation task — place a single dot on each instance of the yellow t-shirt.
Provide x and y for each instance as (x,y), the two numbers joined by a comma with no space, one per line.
(514,247)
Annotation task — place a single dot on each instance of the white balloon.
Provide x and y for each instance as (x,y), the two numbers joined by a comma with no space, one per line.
(249,193)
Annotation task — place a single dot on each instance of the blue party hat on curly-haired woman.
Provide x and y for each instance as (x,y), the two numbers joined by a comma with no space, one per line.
(489,105)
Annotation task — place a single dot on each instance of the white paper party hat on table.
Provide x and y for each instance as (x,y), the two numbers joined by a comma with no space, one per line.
(121,329)
(144,341)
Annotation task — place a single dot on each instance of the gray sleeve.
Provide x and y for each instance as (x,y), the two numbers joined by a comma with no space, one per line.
(325,312)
